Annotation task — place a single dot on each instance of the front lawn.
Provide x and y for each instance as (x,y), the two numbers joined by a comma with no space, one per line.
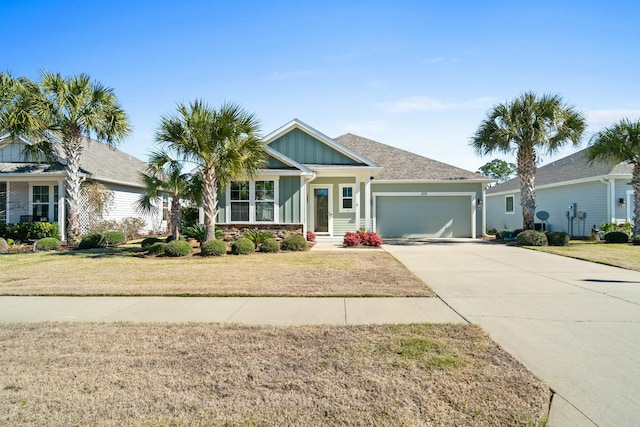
(121,271)
(622,255)
(201,375)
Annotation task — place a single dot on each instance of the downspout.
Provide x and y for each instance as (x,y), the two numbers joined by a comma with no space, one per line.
(608,199)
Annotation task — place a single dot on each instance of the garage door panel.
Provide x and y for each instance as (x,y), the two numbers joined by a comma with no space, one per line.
(422,216)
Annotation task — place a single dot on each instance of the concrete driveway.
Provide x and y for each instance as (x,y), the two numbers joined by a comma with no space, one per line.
(574,324)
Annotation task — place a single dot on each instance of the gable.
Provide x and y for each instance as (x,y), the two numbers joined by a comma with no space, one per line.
(304,148)
(273,163)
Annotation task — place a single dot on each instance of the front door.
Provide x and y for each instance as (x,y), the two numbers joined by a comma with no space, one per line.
(321,210)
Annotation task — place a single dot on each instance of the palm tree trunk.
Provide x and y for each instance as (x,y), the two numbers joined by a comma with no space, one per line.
(73,150)
(175,217)
(209,202)
(527,174)
(635,183)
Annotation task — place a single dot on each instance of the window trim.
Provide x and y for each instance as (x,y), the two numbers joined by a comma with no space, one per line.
(51,204)
(341,207)
(253,201)
(513,204)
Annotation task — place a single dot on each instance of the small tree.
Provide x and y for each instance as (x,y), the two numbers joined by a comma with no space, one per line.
(526,125)
(621,143)
(164,175)
(498,169)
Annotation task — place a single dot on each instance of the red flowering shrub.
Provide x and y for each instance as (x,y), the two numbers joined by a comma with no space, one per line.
(362,238)
(371,239)
(311,236)
(351,239)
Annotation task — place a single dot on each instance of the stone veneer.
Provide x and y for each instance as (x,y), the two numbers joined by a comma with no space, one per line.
(279,231)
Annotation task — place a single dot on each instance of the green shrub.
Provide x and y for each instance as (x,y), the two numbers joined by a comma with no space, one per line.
(195,232)
(148,242)
(213,247)
(270,245)
(294,242)
(257,236)
(92,241)
(48,244)
(242,246)
(156,248)
(616,237)
(517,231)
(25,231)
(532,238)
(557,238)
(635,240)
(4,246)
(114,238)
(177,248)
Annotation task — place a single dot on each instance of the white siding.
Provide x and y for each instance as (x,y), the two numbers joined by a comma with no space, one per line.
(497,218)
(18,201)
(124,206)
(590,198)
(11,153)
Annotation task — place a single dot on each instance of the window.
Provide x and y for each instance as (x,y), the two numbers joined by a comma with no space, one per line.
(166,215)
(44,202)
(508,204)
(40,205)
(240,201)
(252,201)
(265,200)
(347,203)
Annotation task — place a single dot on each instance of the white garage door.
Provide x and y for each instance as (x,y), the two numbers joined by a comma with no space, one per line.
(423,216)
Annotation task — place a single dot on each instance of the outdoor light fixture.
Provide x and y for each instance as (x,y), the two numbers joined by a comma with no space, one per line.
(621,202)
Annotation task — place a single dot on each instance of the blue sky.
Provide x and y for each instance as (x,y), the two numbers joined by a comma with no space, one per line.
(418,75)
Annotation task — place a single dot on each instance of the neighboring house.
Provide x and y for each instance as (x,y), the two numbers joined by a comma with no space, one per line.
(331,186)
(35,191)
(578,195)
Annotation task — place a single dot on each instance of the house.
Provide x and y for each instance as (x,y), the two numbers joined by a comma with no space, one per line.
(577,195)
(35,191)
(334,185)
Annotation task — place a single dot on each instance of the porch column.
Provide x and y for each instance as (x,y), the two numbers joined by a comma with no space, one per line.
(62,211)
(612,200)
(367,203)
(303,204)
(356,196)
(8,199)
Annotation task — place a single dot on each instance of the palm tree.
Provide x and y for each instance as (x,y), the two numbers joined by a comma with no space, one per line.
(77,107)
(65,110)
(165,175)
(525,126)
(621,143)
(224,144)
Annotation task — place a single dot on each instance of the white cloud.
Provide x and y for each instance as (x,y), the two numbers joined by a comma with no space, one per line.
(284,75)
(426,103)
(602,118)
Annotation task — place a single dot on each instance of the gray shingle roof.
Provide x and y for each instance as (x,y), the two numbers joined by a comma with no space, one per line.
(98,161)
(403,165)
(571,168)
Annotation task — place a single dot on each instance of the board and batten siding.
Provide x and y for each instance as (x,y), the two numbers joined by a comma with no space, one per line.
(304,148)
(289,203)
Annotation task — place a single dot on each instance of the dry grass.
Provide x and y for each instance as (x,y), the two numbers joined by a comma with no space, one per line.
(619,255)
(196,375)
(123,272)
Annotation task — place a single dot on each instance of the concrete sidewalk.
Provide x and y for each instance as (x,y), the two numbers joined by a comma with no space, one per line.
(244,310)
(574,324)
